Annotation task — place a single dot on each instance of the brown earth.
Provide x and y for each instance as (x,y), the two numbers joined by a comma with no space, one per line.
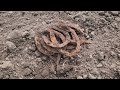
(20,59)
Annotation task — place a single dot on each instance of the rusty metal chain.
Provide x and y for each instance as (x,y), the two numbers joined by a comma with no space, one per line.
(60,38)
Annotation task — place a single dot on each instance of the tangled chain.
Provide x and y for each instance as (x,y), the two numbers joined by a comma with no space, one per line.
(60,38)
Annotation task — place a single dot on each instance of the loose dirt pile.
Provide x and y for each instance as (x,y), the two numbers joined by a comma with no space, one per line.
(21,56)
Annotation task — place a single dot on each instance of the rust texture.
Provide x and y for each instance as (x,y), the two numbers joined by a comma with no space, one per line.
(60,38)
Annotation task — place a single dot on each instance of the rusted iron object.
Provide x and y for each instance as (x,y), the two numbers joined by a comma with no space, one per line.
(60,38)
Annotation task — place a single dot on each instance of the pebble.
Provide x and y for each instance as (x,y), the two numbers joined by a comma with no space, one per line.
(87,36)
(85,76)
(60,69)
(1,75)
(117,19)
(118,55)
(92,33)
(91,56)
(52,69)
(11,46)
(114,13)
(25,50)
(25,34)
(101,13)
(6,76)
(5,64)
(37,53)
(13,35)
(95,71)
(112,54)
(43,22)
(79,77)
(32,47)
(10,12)
(118,71)
(26,71)
(45,72)
(99,77)
(44,58)
(91,76)
(32,34)
(101,55)
(113,65)
(99,65)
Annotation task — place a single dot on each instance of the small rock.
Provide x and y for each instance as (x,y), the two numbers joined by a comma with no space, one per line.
(44,58)
(99,77)
(32,34)
(118,71)
(4,53)
(118,55)
(87,36)
(1,75)
(45,72)
(25,34)
(79,77)
(26,71)
(101,56)
(113,65)
(114,13)
(68,68)
(60,70)
(91,76)
(95,71)
(37,53)
(11,46)
(52,69)
(25,65)
(112,54)
(85,76)
(80,56)
(78,62)
(92,33)
(90,56)
(101,13)
(32,47)
(75,17)
(117,19)
(25,50)
(13,35)
(43,22)
(7,76)
(34,14)
(99,65)
(10,12)
(5,64)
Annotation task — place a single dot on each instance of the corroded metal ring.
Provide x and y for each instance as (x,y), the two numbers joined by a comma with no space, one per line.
(57,39)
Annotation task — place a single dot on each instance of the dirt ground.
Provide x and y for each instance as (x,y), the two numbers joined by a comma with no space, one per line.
(20,59)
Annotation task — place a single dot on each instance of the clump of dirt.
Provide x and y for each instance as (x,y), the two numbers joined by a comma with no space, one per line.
(21,59)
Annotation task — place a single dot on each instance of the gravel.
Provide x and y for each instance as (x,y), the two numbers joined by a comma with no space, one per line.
(45,72)
(26,71)
(118,55)
(113,54)
(37,53)
(11,46)
(85,76)
(114,13)
(91,76)
(79,77)
(1,75)
(13,35)
(99,65)
(100,56)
